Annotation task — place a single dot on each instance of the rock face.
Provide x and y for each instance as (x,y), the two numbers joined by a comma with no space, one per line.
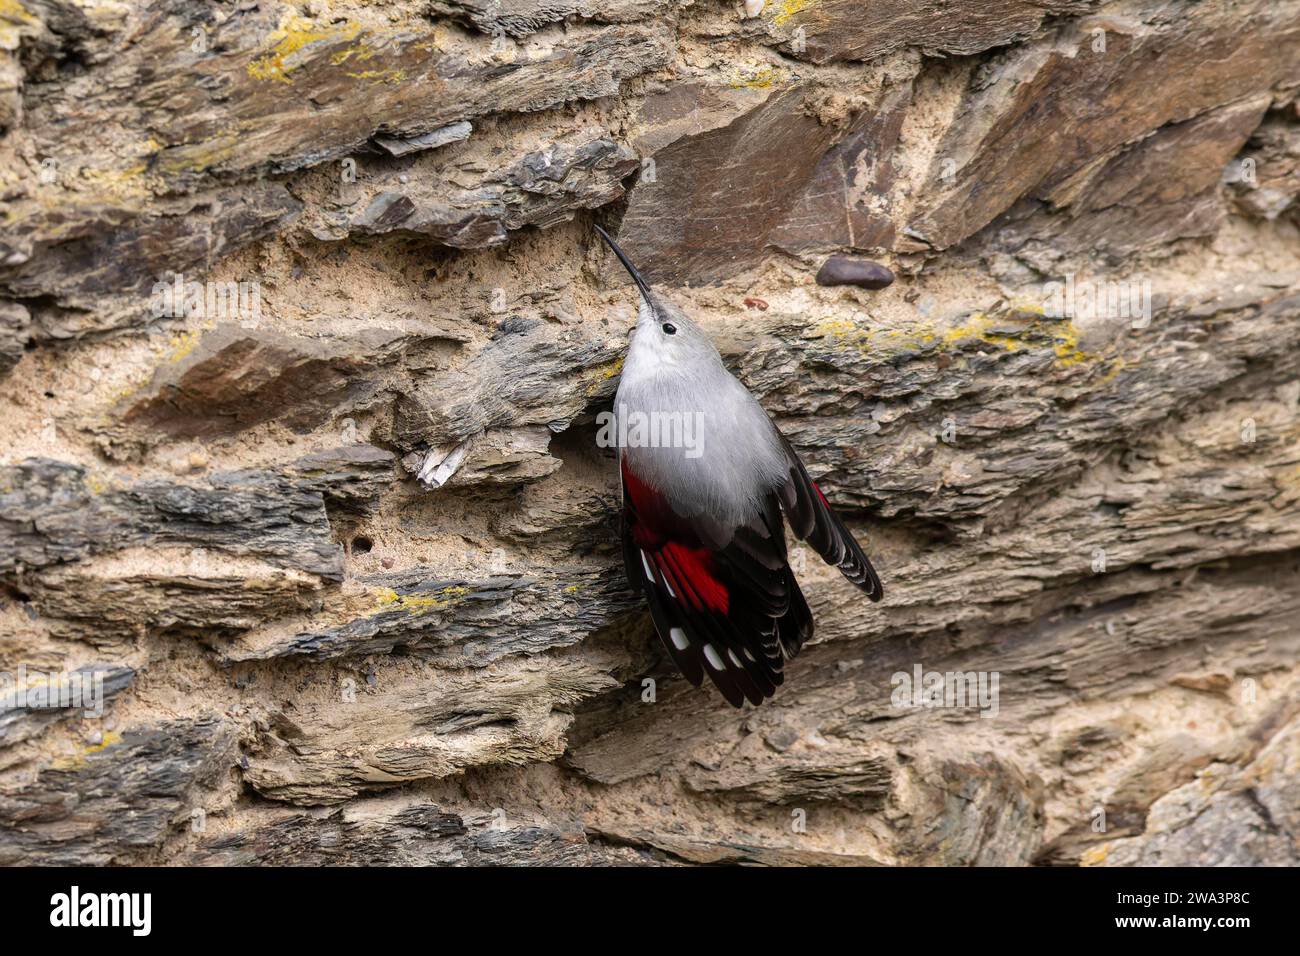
(260,269)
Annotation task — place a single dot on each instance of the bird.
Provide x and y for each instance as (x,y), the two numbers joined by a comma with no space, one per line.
(702,526)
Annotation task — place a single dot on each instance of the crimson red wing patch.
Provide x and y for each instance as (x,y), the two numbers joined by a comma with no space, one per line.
(734,614)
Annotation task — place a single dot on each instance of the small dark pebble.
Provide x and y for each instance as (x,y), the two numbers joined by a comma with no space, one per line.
(843,270)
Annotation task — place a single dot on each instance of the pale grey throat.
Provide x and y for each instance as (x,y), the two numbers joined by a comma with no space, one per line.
(673,369)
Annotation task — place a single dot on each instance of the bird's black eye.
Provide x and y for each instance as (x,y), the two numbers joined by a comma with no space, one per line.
(670,329)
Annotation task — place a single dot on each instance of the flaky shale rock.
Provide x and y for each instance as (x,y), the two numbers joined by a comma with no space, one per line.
(263,266)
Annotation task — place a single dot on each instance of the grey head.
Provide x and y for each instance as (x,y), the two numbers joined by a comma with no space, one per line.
(673,369)
(662,328)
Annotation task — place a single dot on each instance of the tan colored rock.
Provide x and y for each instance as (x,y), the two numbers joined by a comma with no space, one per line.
(14,323)
(1162,189)
(235,378)
(838,29)
(718,198)
(433,725)
(350,565)
(1266,180)
(1047,111)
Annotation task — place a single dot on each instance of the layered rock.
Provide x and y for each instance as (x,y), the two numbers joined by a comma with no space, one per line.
(304,334)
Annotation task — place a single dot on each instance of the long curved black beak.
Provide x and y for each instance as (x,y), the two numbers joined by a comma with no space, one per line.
(627,264)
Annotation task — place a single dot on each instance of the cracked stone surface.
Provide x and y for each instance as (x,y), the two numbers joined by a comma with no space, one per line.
(304,333)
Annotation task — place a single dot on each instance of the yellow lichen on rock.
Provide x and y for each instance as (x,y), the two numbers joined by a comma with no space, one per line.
(78,760)
(291,45)
(784,11)
(422,603)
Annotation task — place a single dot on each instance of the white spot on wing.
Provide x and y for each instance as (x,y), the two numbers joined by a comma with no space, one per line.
(678,637)
(649,572)
(711,654)
(734,659)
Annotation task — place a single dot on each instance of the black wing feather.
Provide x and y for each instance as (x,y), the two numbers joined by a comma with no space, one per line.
(767,619)
(813,520)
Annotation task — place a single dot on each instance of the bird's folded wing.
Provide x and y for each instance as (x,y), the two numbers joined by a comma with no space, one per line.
(813,520)
(726,612)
